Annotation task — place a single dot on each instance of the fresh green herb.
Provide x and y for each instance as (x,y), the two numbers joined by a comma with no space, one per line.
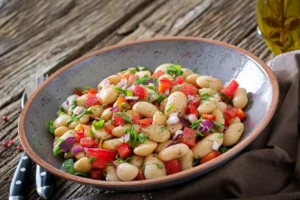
(198,133)
(100,143)
(223,149)
(121,90)
(125,117)
(68,166)
(158,166)
(50,126)
(133,136)
(104,172)
(160,98)
(62,110)
(143,80)
(56,151)
(132,70)
(98,124)
(161,129)
(141,68)
(75,118)
(174,70)
(73,104)
(91,133)
(143,168)
(121,160)
(57,143)
(196,162)
(129,93)
(92,159)
(213,130)
(109,164)
(204,96)
(142,138)
(221,135)
(155,81)
(82,174)
(225,98)
(218,125)
(196,124)
(170,106)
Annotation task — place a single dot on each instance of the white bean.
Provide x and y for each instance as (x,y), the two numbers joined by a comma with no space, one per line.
(162,146)
(73,125)
(221,106)
(145,149)
(144,109)
(177,102)
(79,155)
(156,133)
(127,172)
(137,161)
(60,131)
(119,131)
(111,174)
(209,82)
(240,98)
(81,100)
(101,133)
(204,146)
(111,144)
(208,91)
(154,167)
(106,114)
(143,73)
(82,165)
(233,134)
(206,107)
(96,110)
(113,79)
(108,94)
(191,79)
(167,76)
(186,72)
(234,120)
(163,104)
(84,119)
(219,119)
(61,120)
(173,152)
(159,119)
(172,128)
(187,161)
(163,67)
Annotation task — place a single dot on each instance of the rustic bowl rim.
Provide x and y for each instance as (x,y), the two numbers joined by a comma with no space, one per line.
(170,178)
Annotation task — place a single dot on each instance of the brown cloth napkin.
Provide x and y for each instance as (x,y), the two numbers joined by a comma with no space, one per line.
(268,169)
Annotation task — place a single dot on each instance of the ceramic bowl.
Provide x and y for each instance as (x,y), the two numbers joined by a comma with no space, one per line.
(209,57)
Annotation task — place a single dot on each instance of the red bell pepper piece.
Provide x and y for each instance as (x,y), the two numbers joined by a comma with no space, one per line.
(87,142)
(210,156)
(173,166)
(188,137)
(179,80)
(188,89)
(209,117)
(124,150)
(101,156)
(241,114)
(91,100)
(139,91)
(78,135)
(230,112)
(230,89)
(118,120)
(145,122)
(78,92)
(140,175)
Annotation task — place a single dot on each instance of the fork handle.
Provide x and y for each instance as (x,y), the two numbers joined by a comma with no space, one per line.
(19,183)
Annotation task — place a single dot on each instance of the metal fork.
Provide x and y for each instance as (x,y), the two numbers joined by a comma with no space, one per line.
(21,178)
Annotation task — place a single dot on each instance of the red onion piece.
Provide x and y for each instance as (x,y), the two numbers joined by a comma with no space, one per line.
(114,109)
(122,83)
(184,122)
(205,126)
(176,138)
(76,150)
(67,144)
(150,81)
(78,110)
(173,143)
(115,163)
(105,82)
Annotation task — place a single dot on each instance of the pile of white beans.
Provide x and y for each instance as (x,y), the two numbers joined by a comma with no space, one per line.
(155,151)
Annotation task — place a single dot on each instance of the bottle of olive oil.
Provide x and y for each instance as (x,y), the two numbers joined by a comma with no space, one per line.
(279,23)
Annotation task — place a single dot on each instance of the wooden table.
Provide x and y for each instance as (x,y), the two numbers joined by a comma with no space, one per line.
(43,36)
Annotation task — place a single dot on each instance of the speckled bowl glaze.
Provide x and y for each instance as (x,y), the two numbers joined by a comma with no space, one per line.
(213,58)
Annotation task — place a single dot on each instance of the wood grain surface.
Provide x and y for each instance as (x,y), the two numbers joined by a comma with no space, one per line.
(38,37)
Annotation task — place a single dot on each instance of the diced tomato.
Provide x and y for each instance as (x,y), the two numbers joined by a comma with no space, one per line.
(209,117)
(140,175)
(120,100)
(192,110)
(136,118)
(86,129)
(92,91)
(164,84)
(230,112)
(118,120)
(188,89)
(226,122)
(78,91)
(108,128)
(145,122)
(196,102)
(173,166)
(230,89)
(157,74)
(179,80)
(241,114)
(78,135)
(87,142)
(139,91)
(124,150)
(96,174)
(132,78)
(188,137)
(91,100)
(102,156)
(210,156)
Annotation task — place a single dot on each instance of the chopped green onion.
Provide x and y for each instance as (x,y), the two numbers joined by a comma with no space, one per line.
(213,130)
(129,93)
(50,126)
(92,159)
(170,106)
(221,135)
(174,70)
(98,124)
(218,125)
(196,124)
(121,90)
(141,68)
(158,166)
(198,133)
(91,133)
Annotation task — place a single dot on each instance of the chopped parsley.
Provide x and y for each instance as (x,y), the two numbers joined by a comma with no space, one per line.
(161,129)
(73,104)
(132,70)
(121,90)
(75,118)
(125,117)
(124,106)
(160,98)
(62,110)
(134,137)
(196,124)
(68,166)
(221,135)
(98,124)
(170,106)
(121,160)
(142,138)
(92,159)
(174,70)
(224,149)
(50,126)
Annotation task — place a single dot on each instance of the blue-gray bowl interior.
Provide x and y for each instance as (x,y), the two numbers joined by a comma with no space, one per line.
(208,59)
